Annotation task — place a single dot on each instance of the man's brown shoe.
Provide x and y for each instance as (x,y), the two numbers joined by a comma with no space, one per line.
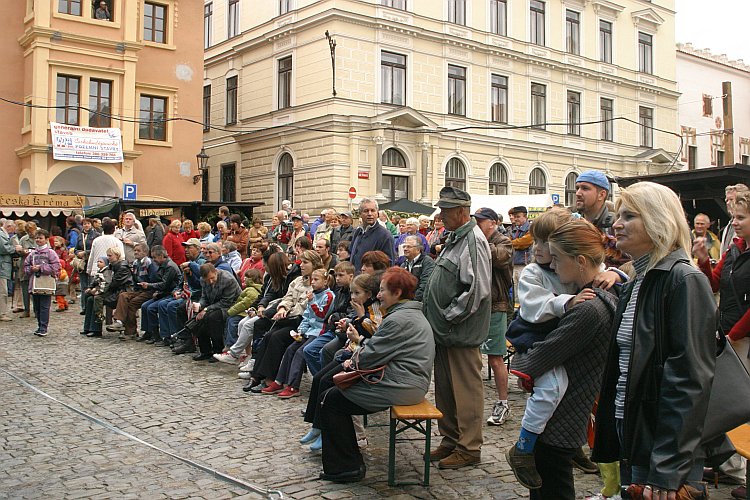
(440,453)
(456,460)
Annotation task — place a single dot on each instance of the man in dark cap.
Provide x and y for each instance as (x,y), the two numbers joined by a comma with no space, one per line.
(494,347)
(344,232)
(462,280)
(521,240)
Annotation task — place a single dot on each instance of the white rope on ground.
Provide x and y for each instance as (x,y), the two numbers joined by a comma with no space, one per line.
(272,494)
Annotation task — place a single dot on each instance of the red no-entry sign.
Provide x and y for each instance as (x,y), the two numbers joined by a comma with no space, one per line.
(352,192)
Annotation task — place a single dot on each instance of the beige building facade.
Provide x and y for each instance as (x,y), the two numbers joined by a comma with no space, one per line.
(128,64)
(498,97)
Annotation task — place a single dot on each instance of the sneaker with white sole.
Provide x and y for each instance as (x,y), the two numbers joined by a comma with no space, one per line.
(116,326)
(248,367)
(245,375)
(226,357)
(500,413)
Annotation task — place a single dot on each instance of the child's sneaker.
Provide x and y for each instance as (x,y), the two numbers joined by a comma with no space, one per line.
(500,413)
(248,366)
(272,388)
(289,392)
(524,468)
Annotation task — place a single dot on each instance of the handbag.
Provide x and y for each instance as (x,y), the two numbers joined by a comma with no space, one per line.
(685,492)
(346,379)
(42,284)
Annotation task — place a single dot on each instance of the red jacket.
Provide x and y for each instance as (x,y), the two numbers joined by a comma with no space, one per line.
(173,244)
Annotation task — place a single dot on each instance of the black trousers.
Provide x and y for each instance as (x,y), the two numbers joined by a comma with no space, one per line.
(556,468)
(331,348)
(210,332)
(340,450)
(271,350)
(322,381)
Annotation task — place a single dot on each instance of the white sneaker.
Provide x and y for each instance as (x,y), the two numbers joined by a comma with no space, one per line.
(116,326)
(226,357)
(245,375)
(248,367)
(5,317)
(362,443)
(500,413)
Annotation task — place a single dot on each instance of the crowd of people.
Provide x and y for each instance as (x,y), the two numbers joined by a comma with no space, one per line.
(610,311)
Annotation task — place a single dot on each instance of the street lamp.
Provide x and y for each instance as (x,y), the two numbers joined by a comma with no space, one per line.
(202,158)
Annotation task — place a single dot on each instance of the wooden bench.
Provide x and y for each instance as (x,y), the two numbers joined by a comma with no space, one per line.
(418,417)
(740,438)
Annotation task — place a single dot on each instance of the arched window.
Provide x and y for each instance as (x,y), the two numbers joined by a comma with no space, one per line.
(286,179)
(498,179)
(537,182)
(570,189)
(393,158)
(455,174)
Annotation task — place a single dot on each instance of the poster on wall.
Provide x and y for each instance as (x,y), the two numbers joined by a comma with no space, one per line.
(100,145)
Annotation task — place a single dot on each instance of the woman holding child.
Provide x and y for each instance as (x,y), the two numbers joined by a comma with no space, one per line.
(572,354)
(404,344)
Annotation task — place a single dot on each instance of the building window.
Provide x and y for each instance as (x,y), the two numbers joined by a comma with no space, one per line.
(498,179)
(719,157)
(692,157)
(228,182)
(286,178)
(646,119)
(100,96)
(395,187)
(537,182)
(572,32)
(68,99)
(208,19)
(745,159)
(393,158)
(154,22)
(72,7)
(153,112)
(717,145)
(285,82)
(396,4)
(206,108)
(233,27)
(645,53)
(499,17)
(605,41)
(393,78)
(570,189)
(101,12)
(537,22)
(688,139)
(574,113)
(232,100)
(606,109)
(708,105)
(284,6)
(744,150)
(499,99)
(457,12)
(455,174)
(456,90)
(538,105)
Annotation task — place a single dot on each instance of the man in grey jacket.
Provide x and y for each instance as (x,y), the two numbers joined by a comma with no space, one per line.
(7,251)
(219,291)
(457,303)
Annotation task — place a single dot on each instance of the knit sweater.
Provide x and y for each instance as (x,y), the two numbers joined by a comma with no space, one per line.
(579,344)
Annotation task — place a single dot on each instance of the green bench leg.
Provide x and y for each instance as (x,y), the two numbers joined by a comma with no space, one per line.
(428,435)
(392,454)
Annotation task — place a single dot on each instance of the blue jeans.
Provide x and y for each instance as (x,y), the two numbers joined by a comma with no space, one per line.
(312,353)
(168,322)
(41,309)
(150,314)
(230,330)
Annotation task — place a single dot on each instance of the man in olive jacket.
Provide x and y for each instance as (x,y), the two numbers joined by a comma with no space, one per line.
(457,303)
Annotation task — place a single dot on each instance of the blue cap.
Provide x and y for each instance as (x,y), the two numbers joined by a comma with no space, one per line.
(596,178)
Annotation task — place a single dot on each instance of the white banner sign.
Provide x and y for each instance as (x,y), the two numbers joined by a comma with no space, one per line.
(100,145)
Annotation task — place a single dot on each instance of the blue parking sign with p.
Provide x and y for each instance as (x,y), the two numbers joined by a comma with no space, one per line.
(129,191)
(555,199)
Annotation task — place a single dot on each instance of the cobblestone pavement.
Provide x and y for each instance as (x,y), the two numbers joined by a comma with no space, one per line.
(197,411)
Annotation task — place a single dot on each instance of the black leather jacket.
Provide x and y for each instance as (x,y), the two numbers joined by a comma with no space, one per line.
(665,402)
